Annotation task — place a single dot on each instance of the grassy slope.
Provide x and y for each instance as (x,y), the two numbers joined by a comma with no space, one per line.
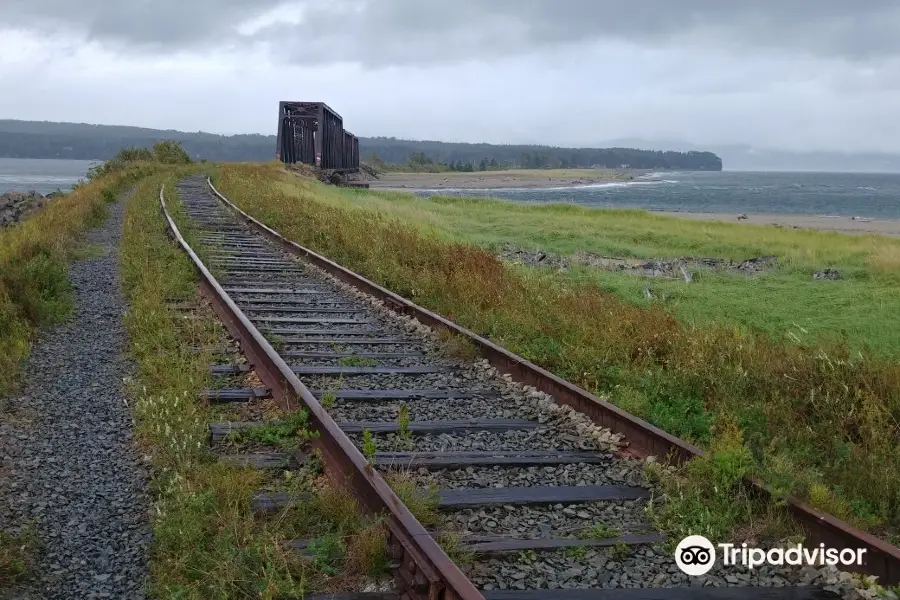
(861,308)
(820,421)
(34,291)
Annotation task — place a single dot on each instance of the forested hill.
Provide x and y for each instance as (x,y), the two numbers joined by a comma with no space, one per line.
(395,151)
(41,139)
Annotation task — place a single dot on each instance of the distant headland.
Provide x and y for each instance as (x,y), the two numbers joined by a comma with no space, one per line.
(44,139)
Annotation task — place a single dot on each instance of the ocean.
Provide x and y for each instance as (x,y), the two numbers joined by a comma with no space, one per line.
(40,174)
(865,195)
(874,196)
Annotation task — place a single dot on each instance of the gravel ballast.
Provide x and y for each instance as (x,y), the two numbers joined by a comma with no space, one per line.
(70,465)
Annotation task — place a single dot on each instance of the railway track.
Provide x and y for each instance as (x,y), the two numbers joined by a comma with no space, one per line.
(537,501)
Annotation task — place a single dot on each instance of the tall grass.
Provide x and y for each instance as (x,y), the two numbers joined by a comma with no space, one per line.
(817,420)
(34,290)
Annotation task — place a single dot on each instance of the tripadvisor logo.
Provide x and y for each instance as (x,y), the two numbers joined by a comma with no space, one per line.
(695,555)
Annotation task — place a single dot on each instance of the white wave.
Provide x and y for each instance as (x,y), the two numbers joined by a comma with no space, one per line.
(605,184)
(37,180)
(615,184)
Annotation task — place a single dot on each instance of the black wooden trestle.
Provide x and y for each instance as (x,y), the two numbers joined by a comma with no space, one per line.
(313,133)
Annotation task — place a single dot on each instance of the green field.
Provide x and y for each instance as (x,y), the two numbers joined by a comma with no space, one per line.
(861,308)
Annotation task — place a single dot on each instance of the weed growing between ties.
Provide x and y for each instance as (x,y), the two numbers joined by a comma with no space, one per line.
(403,432)
(452,545)
(357,361)
(422,501)
(328,399)
(289,433)
(368,446)
(818,420)
(208,543)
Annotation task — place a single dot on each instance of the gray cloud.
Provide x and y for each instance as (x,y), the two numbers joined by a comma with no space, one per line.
(388,32)
(372,29)
(157,25)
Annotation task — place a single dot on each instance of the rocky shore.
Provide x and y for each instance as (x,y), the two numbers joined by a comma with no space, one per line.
(675,268)
(15,206)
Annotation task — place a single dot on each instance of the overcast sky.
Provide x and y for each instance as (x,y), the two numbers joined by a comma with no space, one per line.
(788,74)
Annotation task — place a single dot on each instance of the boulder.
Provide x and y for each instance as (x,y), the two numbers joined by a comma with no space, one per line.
(14,206)
(754,265)
(827,274)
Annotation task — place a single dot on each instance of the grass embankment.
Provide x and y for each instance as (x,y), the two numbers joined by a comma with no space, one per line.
(819,420)
(207,542)
(34,291)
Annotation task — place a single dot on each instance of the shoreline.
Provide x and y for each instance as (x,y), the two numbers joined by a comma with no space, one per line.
(485,181)
(499,180)
(838,224)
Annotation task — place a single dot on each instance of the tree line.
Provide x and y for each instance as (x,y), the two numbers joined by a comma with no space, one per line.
(474,157)
(33,139)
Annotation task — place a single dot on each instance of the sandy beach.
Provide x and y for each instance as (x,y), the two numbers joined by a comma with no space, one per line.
(494,180)
(820,222)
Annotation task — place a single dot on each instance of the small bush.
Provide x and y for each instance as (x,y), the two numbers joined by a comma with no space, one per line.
(707,496)
(327,553)
(40,285)
(169,152)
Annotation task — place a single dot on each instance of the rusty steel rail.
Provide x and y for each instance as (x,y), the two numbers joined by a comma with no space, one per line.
(881,558)
(421,568)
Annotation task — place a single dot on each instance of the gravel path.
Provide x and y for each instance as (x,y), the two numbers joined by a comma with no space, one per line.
(68,461)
